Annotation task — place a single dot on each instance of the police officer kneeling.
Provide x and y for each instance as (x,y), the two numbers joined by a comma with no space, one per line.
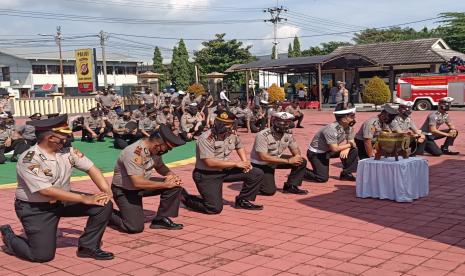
(132,181)
(432,132)
(267,155)
(43,196)
(334,140)
(212,169)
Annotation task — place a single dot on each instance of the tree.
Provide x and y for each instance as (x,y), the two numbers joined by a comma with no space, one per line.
(158,61)
(219,54)
(276,93)
(290,51)
(158,67)
(392,34)
(296,47)
(326,48)
(376,92)
(273,52)
(181,70)
(452,30)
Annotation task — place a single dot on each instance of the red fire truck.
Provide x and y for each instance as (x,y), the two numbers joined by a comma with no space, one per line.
(425,90)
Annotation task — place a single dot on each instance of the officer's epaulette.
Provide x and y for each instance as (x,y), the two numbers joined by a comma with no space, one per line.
(28,157)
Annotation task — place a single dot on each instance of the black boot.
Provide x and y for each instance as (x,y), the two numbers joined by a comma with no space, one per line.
(97,254)
(347,177)
(165,223)
(7,236)
(447,151)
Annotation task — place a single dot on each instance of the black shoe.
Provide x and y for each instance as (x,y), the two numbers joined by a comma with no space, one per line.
(347,177)
(7,236)
(97,254)
(294,190)
(165,223)
(299,127)
(14,158)
(245,204)
(447,151)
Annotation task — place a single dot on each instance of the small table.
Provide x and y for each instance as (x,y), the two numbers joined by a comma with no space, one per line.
(402,181)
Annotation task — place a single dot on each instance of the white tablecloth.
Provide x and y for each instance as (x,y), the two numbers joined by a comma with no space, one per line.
(402,181)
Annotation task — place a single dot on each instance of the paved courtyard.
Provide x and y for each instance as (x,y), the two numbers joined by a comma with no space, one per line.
(328,232)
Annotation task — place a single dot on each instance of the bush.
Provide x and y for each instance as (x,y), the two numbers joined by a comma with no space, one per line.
(376,92)
(196,88)
(275,93)
(299,86)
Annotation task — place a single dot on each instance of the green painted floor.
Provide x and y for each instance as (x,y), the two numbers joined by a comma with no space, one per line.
(103,155)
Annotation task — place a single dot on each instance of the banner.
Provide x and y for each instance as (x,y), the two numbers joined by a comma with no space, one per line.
(85,70)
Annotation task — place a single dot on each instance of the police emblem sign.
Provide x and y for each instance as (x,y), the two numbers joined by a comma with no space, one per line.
(85,70)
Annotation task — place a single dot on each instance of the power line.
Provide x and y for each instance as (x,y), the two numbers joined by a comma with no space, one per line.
(113,20)
(275,19)
(162,5)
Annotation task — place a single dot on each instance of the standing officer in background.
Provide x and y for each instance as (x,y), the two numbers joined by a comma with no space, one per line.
(149,124)
(212,169)
(267,155)
(149,99)
(106,100)
(294,109)
(432,132)
(368,133)
(93,127)
(342,96)
(132,180)
(334,140)
(5,105)
(43,196)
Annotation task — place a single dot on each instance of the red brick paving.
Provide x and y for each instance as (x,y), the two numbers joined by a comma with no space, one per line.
(328,232)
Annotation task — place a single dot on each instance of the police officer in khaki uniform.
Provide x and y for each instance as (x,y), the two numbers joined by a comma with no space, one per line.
(192,123)
(267,155)
(149,124)
(106,100)
(403,123)
(43,196)
(140,113)
(368,133)
(124,130)
(332,141)
(276,107)
(5,104)
(166,116)
(10,140)
(132,180)
(212,169)
(28,131)
(149,99)
(93,127)
(432,132)
(294,109)
(243,115)
(177,102)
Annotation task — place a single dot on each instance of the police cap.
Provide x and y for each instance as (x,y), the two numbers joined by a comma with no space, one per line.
(226,116)
(58,124)
(168,136)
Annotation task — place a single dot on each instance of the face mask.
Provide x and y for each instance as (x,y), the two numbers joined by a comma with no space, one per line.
(221,130)
(166,112)
(445,107)
(160,149)
(126,117)
(192,111)
(281,127)
(407,113)
(351,124)
(62,142)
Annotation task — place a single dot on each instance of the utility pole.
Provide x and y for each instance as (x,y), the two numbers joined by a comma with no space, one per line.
(275,19)
(103,37)
(58,38)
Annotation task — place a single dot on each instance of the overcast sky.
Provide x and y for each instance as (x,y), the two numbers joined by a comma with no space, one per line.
(305,18)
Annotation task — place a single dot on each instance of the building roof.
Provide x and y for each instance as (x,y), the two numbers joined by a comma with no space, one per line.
(52,54)
(418,51)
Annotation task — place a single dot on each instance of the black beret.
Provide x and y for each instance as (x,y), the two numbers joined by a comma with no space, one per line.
(57,124)
(168,136)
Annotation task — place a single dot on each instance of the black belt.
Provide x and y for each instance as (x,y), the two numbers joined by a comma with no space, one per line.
(38,204)
(207,172)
